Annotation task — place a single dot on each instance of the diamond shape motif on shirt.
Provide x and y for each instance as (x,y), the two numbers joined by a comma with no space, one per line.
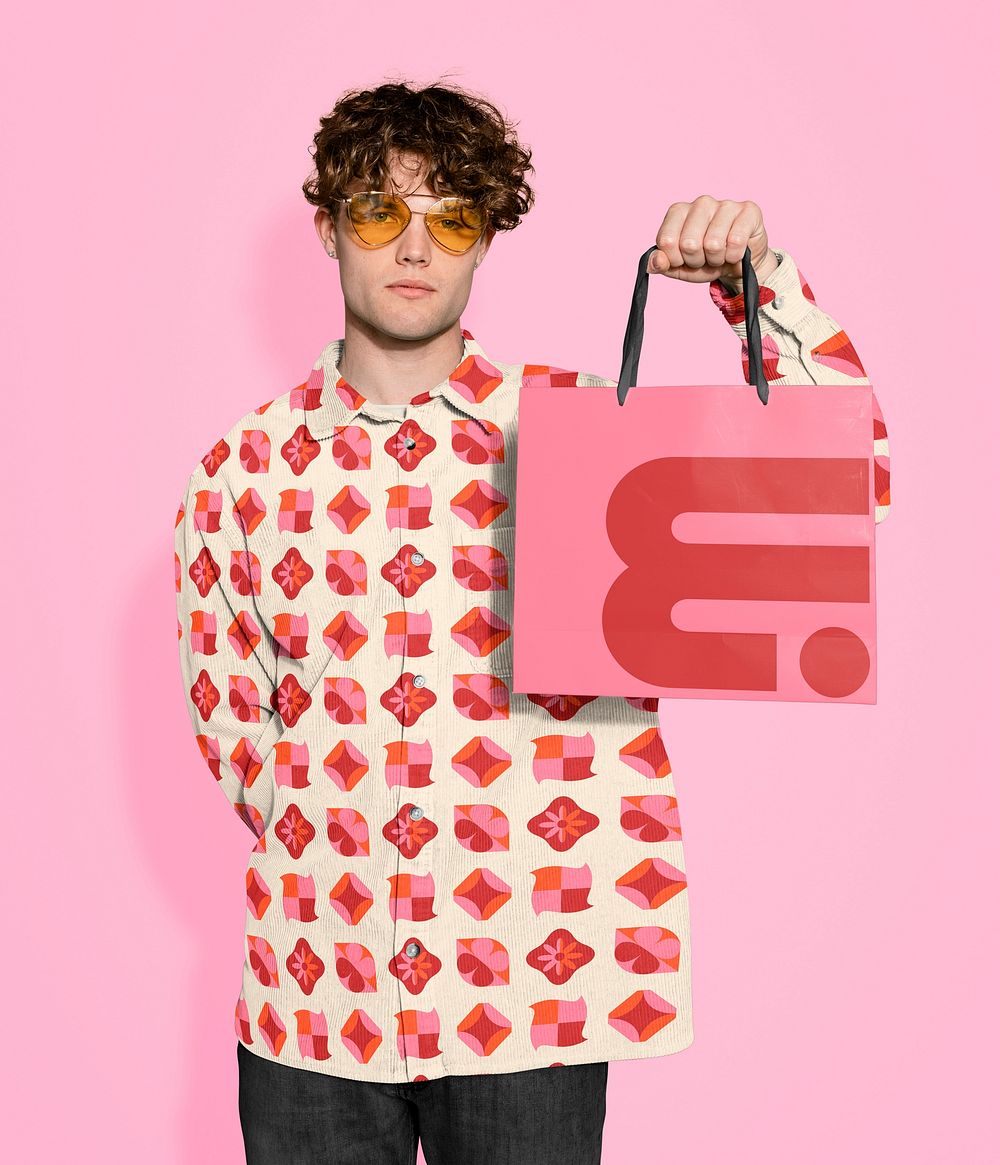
(361,1036)
(481,696)
(300,450)
(291,633)
(305,966)
(417,1034)
(351,447)
(411,896)
(475,378)
(347,831)
(647,753)
(346,572)
(204,571)
(258,895)
(651,818)
(558,1022)
(484,1029)
(482,961)
(408,763)
(355,967)
(344,635)
(311,1034)
(642,1015)
(563,889)
(291,764)
(244,572)
(406,577)
(298,897)
(408,507)
(295,511)
(345,765)
(249,510)
(255,451)
(479,504)
(409,445)
(351,899)
(482,828)
(348,509)
(647,950)
(559,956)
(291,573)
(295,831)
(477,442)
(479,567)
(406,701)
(290,700)
(216,457)
(263,961)
(482,893)
(243,635)
(651,883)
(481,761)
(561,757)
(407,634)
(414,971)
(562,823)
(272,1029)
(480,631)
(344,700)
(407,835)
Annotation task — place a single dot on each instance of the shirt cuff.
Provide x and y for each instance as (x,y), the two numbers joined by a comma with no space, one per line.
(785,297)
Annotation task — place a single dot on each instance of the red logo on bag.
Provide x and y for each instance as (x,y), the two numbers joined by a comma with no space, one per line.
(661,570)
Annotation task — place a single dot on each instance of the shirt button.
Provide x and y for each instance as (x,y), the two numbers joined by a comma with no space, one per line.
(416,558)
(413,949)
(416,812)
(419,681)
(409,442)
(778,300)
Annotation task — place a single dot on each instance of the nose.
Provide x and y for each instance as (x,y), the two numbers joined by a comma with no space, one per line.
(414,244)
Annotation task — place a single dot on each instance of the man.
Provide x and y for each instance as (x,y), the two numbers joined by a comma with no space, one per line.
(463,901)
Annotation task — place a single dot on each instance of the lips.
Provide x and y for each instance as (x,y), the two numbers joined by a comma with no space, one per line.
(419,286)
(408,291)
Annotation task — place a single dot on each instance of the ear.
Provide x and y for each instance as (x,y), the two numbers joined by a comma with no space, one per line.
(484,245)
(326,228)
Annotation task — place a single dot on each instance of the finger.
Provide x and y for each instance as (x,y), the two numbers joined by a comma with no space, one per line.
(693,232)
(717,243)
(746,224)
(668,252)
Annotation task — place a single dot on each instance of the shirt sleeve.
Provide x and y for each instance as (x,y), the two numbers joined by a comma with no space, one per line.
(802,344)
(226,659)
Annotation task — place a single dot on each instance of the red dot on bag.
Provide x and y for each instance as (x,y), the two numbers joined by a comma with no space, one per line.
(834,662)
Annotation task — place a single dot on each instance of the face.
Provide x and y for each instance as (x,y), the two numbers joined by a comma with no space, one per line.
(366,272)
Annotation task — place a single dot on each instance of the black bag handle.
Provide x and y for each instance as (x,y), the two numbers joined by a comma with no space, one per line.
(633,332)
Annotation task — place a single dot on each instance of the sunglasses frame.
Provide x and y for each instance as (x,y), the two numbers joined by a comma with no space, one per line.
(409,214)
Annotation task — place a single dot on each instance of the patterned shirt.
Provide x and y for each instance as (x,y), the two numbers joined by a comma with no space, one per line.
(448,877)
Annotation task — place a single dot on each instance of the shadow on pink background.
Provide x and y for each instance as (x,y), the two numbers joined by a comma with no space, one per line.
(163,276)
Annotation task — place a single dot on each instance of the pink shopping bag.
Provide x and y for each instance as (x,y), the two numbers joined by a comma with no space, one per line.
(695,543)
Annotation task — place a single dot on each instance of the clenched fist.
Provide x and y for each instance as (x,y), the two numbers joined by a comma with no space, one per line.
(704,240)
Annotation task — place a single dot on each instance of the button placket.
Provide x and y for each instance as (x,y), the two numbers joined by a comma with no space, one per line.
(422,864)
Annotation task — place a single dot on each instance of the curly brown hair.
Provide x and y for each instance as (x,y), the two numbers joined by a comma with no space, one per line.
(471,148)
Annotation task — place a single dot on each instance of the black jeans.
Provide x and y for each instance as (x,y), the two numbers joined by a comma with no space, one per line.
(541,1116)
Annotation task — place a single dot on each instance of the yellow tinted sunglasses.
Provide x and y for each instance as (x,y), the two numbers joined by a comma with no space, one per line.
(378,218)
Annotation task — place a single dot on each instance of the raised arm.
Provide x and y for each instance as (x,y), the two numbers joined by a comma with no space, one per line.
(801,344)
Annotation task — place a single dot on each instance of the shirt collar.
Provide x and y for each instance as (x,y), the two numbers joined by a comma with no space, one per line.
(328,400)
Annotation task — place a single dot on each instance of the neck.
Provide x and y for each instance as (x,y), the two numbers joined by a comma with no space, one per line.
(392,369)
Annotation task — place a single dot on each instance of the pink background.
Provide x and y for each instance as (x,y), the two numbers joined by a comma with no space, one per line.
(162,276)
